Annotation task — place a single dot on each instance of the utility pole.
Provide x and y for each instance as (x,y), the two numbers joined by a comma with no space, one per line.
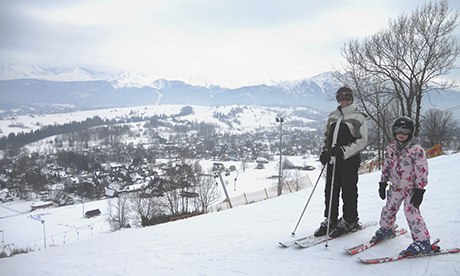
(83,205)
(280,185)
(3,240)
(44,233)
(37,217)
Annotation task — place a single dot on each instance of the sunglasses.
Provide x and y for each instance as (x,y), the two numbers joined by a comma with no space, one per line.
(344,97)
(402,130)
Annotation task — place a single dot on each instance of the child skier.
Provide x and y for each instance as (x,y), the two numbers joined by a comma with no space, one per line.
(406,167)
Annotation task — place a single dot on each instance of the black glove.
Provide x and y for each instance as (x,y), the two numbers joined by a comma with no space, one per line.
(383,190)
(324,157)
(336,151)
(417,197)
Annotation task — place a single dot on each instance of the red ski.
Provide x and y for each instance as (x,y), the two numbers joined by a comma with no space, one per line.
(364,246)
(436,251)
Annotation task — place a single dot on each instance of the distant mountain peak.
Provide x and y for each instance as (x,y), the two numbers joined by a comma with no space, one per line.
(130,79)
(20,71)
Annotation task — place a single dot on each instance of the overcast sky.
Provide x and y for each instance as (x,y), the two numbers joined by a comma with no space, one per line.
(231,43)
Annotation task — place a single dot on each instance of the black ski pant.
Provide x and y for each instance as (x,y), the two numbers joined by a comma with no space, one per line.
(345,181)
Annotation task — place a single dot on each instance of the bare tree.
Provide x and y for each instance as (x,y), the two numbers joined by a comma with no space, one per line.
(207,190)
(296,180)
(146,207)
(118,210)
(180,182)
(402,63)
(438,127)
(172,190)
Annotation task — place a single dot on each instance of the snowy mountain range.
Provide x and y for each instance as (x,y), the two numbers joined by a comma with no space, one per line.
(79,88)
(28,86)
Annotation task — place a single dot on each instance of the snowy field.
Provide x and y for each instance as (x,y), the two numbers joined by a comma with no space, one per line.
(243,240)
(252,117)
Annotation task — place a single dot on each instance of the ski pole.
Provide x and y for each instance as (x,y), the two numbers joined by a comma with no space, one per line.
(335,136)
(330,200)
(308,201)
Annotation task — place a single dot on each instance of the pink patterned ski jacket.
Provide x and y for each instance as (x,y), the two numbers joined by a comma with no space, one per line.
(406,167)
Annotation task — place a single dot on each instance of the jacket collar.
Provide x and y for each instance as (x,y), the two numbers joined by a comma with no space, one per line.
(408,144)
(347,110)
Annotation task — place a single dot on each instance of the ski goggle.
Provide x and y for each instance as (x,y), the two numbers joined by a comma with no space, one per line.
(402,130)
(344,96)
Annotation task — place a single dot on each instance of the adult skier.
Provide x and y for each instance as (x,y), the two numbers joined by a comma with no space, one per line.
(405,166)
(345,137)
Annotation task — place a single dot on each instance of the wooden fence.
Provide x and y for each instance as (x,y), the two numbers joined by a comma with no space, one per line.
(266,193)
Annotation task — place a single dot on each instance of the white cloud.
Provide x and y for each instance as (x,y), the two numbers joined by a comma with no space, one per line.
(230,43)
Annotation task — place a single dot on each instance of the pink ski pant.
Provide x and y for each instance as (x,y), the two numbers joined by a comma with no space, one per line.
(395,197)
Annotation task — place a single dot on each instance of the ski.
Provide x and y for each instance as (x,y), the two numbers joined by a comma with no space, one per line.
(364,246)
(311,242)
(288,243)
(437,251)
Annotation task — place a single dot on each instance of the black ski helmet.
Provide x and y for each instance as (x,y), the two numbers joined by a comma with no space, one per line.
(405,123)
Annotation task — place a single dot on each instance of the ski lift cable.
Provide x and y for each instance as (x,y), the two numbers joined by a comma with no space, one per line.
(452,108)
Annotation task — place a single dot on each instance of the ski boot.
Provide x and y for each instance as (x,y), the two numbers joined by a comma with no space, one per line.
(322,230)
(417,247)
(382,234)
(344,227)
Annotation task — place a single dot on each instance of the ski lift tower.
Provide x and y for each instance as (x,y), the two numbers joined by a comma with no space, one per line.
(218,169)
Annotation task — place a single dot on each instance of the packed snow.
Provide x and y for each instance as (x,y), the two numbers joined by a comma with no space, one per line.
(243,240)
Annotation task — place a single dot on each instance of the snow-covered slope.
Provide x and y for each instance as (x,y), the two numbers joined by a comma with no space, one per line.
(243,240)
